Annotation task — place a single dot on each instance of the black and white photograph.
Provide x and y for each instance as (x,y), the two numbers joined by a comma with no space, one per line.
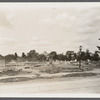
(50,49)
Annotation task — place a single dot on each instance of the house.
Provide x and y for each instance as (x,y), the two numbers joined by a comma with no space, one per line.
(70,52)
(70,55)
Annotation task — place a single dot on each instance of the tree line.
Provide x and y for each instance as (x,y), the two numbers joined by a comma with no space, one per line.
(32,55)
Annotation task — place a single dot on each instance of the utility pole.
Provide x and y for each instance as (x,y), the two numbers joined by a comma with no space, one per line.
(80,49)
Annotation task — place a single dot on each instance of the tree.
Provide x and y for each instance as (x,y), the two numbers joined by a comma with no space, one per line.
(87,55)
(16,55)
(96,56)
(32,55)
(98,48)
(53,55)
(41,57)
(61,57)
(10,57)
(1,57)
(23,55)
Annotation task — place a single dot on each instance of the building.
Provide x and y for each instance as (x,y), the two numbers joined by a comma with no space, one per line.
(70,55)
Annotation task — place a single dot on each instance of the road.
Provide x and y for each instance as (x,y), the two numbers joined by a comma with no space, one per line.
(53,86)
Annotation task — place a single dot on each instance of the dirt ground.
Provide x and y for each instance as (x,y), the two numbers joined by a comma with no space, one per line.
(58,86)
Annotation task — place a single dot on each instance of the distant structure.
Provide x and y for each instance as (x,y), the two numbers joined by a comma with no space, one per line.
(70,55)
(46,54)
(70,52)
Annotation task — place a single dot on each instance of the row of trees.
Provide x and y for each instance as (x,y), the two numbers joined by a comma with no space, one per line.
(70,55)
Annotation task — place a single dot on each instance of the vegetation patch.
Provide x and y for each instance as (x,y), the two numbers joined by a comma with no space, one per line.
(12,72)
(79,75)
(52,68)
(15,79)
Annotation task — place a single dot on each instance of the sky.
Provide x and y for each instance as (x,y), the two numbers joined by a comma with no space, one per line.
(49,27)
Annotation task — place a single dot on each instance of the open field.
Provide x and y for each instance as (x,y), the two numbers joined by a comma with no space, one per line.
(25,71)
(59,77)
(45,67)
(49,48)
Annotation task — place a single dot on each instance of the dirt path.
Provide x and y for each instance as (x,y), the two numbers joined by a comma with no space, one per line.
(59,85)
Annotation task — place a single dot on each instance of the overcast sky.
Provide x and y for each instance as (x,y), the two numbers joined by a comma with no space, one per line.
(49,27)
